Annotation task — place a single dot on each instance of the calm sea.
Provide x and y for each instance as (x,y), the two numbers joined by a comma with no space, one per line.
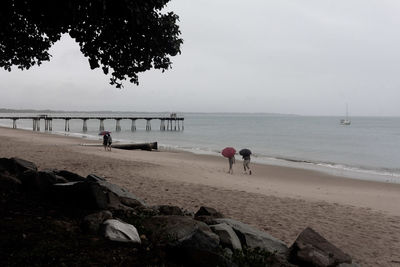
(367,149)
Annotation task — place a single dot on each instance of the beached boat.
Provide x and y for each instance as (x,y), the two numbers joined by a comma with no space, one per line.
(346,121)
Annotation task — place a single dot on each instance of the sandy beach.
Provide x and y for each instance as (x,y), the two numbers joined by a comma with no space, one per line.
(360,217)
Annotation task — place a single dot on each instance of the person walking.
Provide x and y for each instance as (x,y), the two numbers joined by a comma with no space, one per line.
(231,162)
(229,152)
(109,142)
(245,153)
(105,141)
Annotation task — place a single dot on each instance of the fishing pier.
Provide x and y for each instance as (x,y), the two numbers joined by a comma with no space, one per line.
(167,123)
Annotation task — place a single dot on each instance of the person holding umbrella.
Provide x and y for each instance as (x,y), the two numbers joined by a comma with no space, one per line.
(229,152)
(245,153)
(106,139)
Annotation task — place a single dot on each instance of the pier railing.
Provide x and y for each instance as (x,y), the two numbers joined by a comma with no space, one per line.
(171,123)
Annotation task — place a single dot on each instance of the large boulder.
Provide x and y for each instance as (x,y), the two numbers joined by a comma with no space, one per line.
(9,183)
(69,176)
(95,193)
(189,240)
(44,180)
(91,223)
(116,230)
(227,236)
(253,238)
(16,165)
(169,210)
(208,211)
(311,249)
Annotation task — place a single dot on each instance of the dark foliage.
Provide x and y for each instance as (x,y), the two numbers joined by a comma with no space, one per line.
(123,37)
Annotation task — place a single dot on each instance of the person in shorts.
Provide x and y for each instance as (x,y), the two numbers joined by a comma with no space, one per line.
(105,141)
(246,163)
(109,142)
(231,162)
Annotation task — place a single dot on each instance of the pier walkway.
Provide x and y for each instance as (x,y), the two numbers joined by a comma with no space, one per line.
(171,123)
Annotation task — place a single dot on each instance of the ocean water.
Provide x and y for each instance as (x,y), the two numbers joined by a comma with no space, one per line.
(367,149)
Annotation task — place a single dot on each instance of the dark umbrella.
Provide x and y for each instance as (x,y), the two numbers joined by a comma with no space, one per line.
(228,152)
(104,132)
(245,152)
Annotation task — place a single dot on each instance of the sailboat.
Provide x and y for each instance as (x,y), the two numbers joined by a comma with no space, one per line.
(346,121)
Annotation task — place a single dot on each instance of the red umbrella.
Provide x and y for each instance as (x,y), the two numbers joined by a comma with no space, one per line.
(104,132)
(228,152)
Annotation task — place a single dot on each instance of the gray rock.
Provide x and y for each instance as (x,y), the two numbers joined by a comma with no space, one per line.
(130,202)
(254,238)
(73,194)
(16,166)
(91,223)
(207,211)
(227,236)
(181,230)
(29,179)
(9,183)
(169,210)
(116,230)
(192,241)
(94,178)
(61,180)
(102,189)
(44,180)
(69,176)
(22,165)
(310,248)
(97,194)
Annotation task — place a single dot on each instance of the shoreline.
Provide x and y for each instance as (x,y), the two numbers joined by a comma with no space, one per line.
(335,169)
(279,200)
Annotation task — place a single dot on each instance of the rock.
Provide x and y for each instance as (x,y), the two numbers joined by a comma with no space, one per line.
(22,165)
(192,242)
(116,230)
(69,176)
(16,165)
(207,211)
(94,178)
(206,219)
(73,194)
(91,223)
(254,238)
(176,230)
(95,193)
(101,190)
(44,180)
(9,183)
(227,236)
(60,179)
(310,248)
(130,202)
(169,210)
(29,179)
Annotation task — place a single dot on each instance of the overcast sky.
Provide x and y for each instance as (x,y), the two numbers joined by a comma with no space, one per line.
(306,57)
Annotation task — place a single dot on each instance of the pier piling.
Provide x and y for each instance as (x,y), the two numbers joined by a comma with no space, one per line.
(101,127)
(171,123)
(117,125)
(84,127)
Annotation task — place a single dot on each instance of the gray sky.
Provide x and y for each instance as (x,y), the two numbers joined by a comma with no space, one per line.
(306,57)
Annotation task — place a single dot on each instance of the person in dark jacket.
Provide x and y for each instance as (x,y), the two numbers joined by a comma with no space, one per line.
(105,141)
(109,142)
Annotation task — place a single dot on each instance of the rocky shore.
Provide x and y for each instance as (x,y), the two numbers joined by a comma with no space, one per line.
(57,217)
